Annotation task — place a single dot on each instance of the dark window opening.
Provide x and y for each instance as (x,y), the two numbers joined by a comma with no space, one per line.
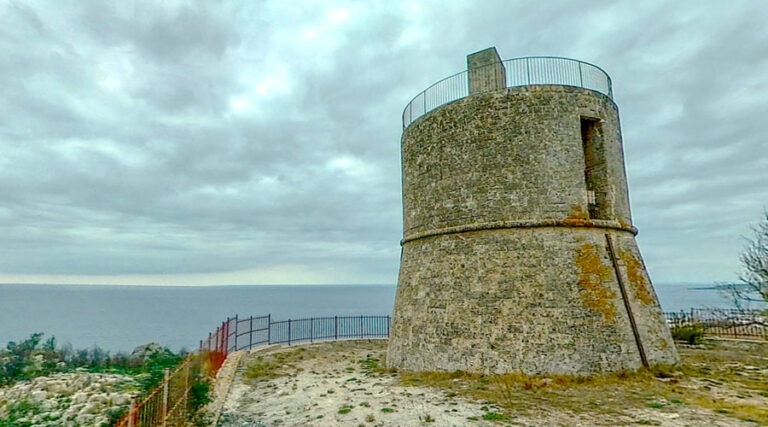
(595,174)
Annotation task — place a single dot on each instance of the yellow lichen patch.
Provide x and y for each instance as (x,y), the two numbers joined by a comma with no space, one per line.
(577,216)
(636,277)
(592,278)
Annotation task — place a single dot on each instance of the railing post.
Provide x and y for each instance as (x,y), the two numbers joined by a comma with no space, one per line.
(311,329)
(361,326)
(528,67)
(186,386)
(581,77)
(335,327)
(388,320)
(165,397)
(289,331)
(131,410)
(269,328)
(250,334)
(236,321)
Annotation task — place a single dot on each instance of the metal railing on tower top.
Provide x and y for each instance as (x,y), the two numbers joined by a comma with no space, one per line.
(531,70)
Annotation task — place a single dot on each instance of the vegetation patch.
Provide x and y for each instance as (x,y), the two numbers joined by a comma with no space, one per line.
(691,334)
(276,364)
(42,382)
(34,358)
(726,378)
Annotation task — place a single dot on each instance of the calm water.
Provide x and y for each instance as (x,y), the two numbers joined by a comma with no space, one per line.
(122,317)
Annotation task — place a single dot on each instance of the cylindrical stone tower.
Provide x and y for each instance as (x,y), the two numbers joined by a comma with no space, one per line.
(519,253)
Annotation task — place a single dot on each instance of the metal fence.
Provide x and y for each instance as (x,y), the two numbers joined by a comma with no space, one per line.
(725,323)
(168,403)
(246,333)
(531,70)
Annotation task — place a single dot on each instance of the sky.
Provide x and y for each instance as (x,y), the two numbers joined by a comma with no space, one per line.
(206,143)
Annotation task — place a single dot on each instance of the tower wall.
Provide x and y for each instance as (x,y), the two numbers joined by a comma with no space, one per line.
(506,266)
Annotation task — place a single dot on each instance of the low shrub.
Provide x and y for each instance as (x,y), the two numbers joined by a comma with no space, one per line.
(199,395)
(33,358)
(692,334)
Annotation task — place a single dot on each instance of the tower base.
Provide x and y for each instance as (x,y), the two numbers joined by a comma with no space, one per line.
(537,300)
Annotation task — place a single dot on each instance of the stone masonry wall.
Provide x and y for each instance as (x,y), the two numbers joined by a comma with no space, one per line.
(513,154)
(502,269)
(539,300)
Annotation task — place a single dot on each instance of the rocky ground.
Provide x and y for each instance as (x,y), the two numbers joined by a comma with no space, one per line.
(336,384)
(346,384)
(67,399)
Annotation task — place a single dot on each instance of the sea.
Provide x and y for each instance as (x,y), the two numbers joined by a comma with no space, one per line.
(119,318)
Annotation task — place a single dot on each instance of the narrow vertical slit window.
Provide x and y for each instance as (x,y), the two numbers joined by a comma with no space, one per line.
(595,172)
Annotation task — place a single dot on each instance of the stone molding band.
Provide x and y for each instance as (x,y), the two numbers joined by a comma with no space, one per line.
(495,225)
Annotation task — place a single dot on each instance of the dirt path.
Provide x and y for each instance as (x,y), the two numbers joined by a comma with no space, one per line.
(345,384)
(337,384)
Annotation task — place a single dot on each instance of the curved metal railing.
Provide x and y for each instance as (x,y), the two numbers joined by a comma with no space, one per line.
(530,70)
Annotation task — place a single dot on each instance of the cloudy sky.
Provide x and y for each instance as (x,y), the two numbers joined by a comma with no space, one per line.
(255,142)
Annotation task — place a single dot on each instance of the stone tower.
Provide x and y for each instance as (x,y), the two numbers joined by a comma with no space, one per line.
(519,253)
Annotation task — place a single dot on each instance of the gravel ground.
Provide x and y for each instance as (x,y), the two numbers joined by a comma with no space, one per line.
(345,384)
(330,385)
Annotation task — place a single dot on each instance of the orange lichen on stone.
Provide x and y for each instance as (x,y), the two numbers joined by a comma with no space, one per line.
(635,270)
(592,279)
(577,216)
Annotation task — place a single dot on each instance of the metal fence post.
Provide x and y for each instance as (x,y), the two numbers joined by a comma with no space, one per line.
(236,322)
(250,334)
(311,329)
(361,326)
(131,409)
(269,328)
(186,385)
(289,331)
(528,67)
(226,337)
(388,320)
(165,397)
(335,327)
(581,77)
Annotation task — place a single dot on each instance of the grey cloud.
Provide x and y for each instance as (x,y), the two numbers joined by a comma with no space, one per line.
(122,152)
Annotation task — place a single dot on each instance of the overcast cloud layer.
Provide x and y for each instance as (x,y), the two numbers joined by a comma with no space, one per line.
(258,142)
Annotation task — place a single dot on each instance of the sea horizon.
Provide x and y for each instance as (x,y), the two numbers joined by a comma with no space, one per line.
(121,317)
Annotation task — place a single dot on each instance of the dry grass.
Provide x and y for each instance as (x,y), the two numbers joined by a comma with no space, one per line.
(276,364)
(724,377)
